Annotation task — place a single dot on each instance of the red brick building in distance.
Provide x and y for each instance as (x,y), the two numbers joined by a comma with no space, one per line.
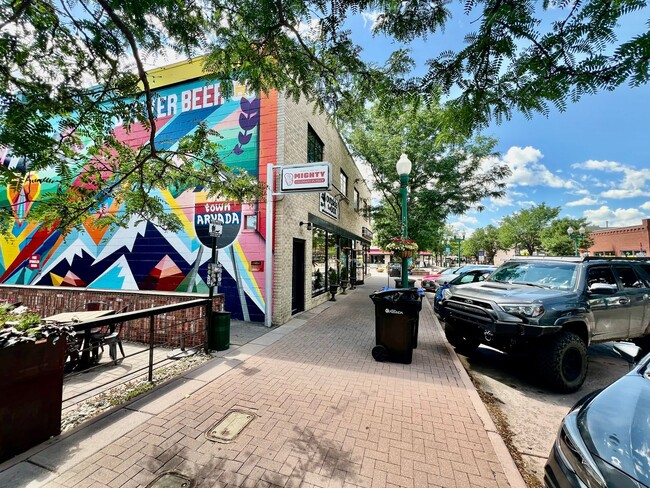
(621,241)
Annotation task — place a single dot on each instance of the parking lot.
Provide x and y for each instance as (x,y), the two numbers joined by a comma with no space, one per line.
(532,412)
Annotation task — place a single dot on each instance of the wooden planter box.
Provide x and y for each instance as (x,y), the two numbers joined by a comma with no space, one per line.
(31,382)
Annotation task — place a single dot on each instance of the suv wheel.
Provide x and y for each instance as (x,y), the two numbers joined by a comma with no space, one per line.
(464,343)
(563,362)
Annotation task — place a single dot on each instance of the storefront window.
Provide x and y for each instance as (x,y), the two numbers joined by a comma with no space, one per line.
(333,254)
(319,261)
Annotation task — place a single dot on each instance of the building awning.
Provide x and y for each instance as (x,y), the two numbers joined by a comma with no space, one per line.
(330,227)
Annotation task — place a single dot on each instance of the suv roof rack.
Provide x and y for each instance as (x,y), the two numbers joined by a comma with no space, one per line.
(575,259)
(580,259)
(616,258)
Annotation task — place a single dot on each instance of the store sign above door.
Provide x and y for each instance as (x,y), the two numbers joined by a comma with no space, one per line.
(306,177)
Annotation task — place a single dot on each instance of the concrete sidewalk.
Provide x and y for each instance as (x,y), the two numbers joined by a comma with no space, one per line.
(325,414)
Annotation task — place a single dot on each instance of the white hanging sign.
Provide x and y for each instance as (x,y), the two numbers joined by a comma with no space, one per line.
(305,177)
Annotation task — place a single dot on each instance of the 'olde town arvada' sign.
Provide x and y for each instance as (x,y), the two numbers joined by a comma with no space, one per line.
(305,177)
(228,214)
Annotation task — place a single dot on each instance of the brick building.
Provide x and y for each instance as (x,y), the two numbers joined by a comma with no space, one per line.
(621,241)
(255,130)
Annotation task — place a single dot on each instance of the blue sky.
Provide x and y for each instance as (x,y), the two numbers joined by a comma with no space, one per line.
(593,160)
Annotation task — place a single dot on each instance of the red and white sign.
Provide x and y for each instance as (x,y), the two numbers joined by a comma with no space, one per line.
(306,177)
(34,261)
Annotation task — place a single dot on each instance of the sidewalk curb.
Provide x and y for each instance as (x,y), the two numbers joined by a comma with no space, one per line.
(505,459)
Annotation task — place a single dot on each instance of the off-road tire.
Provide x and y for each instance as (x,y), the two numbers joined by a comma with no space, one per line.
(562,362)
(463,343)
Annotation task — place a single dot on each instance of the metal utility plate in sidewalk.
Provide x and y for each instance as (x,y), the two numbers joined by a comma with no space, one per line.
(171,480)
(230,426)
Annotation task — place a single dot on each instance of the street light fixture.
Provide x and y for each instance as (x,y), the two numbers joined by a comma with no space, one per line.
(403,168)
(457,238)
(576,236)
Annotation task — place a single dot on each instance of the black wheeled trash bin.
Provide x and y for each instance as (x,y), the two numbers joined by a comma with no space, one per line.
(219,331)
(396,320)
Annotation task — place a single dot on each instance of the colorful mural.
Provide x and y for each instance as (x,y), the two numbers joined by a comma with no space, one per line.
(144,256)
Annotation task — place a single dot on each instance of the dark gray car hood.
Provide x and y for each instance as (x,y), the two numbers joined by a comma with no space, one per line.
(508,292)
(615,426)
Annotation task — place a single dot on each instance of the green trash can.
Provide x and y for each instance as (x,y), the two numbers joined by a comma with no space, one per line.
(219,331)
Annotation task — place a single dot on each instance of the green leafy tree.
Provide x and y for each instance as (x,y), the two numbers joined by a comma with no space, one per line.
(447,176)
(523,229)
(70,67)
(484,239)
(556,241)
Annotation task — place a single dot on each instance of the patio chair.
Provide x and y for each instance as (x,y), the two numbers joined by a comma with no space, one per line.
(110,336)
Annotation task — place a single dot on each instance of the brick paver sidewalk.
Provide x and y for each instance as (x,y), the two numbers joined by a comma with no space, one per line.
(327,415)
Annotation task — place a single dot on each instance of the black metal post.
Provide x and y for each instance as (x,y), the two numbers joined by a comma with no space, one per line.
(151,342)
(208,308)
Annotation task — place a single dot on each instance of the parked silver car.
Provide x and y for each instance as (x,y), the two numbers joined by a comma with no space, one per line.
(446,278)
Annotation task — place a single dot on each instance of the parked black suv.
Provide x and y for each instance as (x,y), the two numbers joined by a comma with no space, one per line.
(553,308)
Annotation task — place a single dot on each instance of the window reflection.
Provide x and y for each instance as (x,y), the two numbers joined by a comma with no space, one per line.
(318,260)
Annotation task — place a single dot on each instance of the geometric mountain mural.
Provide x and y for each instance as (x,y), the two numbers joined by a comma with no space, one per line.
(143,256)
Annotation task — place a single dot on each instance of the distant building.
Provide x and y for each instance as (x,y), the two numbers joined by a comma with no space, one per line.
(621,241)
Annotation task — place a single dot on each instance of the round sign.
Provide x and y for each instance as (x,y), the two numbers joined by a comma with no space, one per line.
(228,214)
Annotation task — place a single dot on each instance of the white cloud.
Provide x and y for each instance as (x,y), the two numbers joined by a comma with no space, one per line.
(460,228)
(370,18)
(634,182)
(310,30)
(468,219)
(610,166)
(528,171)
(646,206)
(526,203)
(621,193)
(504,201)
(582,202)
(621,217)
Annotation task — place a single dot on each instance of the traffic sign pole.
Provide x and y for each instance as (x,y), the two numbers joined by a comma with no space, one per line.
(215,232)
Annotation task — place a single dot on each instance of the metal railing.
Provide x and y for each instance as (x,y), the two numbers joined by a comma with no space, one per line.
(157,318)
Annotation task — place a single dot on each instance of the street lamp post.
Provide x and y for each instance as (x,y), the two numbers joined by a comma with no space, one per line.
(403,167)
(458,238)
(576,236)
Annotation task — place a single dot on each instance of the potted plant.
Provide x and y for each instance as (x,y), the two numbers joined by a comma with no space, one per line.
(402,247)
(334,283)
(344,278)
(318,280)
(31,379)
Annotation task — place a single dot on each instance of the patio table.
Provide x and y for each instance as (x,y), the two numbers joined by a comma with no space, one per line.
(78,319)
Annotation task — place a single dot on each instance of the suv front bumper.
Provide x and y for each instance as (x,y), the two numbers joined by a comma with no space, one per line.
(489,318)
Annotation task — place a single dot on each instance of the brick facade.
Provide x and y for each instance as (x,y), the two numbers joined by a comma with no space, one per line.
(291,209)
(621,241)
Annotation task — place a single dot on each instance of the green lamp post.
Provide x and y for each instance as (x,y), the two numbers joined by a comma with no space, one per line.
(403,167)
(459,239)
(576,236)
